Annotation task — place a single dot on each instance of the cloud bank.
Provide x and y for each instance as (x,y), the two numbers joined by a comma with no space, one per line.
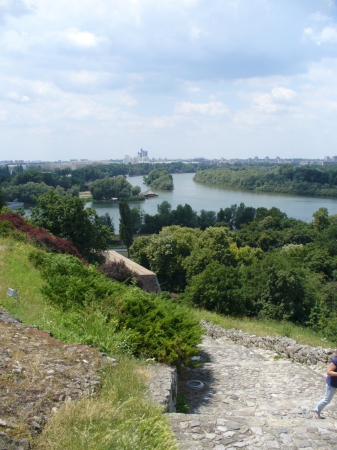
(100,79)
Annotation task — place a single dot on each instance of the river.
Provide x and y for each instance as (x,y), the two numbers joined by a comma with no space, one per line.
(210,198)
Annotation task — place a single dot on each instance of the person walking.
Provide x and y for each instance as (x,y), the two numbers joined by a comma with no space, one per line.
(330,388)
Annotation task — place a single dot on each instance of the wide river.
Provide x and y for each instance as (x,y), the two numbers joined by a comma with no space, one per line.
(210,198)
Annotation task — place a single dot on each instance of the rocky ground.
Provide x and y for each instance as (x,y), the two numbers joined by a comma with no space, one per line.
(252,399)
(38,373)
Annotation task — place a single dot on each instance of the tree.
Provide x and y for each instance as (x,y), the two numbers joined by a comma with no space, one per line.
(137,215)
(65,216)
(217,288)
(321,219)
(2,199)
(185,217)
(206,219)
(165,253)
(159,179)
(125,224)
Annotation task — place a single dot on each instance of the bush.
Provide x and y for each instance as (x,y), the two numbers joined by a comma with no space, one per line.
(39,236)
(144,324)
(217,288)
(117,270)
(6,227)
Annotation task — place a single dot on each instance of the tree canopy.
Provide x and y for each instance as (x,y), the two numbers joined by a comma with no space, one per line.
(285,178)
(65,216)
(125,224)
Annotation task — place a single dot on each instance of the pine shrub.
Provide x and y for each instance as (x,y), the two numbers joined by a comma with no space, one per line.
(146,324)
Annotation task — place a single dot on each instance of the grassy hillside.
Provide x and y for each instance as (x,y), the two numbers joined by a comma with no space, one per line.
(121,416)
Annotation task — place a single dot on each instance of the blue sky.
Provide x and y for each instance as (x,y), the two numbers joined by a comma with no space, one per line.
(100,79)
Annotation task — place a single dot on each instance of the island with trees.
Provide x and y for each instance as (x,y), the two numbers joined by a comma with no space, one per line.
(159,179)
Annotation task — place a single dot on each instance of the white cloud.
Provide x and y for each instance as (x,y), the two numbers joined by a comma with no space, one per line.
(193,89)
(211,109)
(328,34)
(283,95)
(17,97)
(83,39)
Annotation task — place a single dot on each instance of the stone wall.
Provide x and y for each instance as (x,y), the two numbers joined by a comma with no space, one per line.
(149,279)
(163,386)
(285,347)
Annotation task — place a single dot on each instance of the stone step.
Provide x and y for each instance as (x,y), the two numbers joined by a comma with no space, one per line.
(251,398)
(206,432)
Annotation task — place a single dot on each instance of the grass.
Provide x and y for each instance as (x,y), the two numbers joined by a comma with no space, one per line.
(261,327)
(17,273)
(120,417)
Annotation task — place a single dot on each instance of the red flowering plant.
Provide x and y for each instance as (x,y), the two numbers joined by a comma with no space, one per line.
(41,237)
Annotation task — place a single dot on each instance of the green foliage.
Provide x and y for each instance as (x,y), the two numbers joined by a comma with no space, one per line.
(164,254)
(182,406)
(301,180)
(120,417)
(107,221)
(159,179)
(2,199)
(160,328)
(27,193)
(321,220)
(137,215)
(284,297)
(145,325)
(66,217)
(109,188)
(125,224)
(217,288)
(6,228)
(69,283)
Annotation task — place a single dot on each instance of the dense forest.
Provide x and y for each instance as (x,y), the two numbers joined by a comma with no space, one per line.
(318,181)
(27,185)
(254,262)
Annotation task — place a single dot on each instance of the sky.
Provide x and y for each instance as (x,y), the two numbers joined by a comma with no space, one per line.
(100,79)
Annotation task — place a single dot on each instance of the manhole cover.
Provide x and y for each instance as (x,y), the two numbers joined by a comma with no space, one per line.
(195,384)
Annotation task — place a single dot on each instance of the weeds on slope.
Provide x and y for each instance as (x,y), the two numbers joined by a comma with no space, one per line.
(118,419)
(264,327)
(120,416)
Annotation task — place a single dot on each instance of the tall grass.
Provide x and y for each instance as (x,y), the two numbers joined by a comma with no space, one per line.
(119,419)
(264,327)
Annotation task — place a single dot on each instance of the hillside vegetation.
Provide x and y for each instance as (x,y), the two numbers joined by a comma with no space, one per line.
(255,264)
(318,181)
(76,304)
(266,277)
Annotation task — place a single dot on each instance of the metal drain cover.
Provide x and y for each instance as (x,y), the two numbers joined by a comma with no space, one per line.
(195,384)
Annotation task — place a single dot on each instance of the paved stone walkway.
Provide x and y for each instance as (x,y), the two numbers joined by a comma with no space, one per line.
(251,400)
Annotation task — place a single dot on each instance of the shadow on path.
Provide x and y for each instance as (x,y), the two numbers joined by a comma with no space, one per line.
(202,371)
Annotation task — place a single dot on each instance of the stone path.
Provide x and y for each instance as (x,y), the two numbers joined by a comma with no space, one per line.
(251,400)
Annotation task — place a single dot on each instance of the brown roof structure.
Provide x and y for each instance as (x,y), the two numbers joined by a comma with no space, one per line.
(149,194)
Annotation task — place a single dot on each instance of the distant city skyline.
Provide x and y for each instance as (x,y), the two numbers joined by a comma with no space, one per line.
(223,79)
(143,157)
